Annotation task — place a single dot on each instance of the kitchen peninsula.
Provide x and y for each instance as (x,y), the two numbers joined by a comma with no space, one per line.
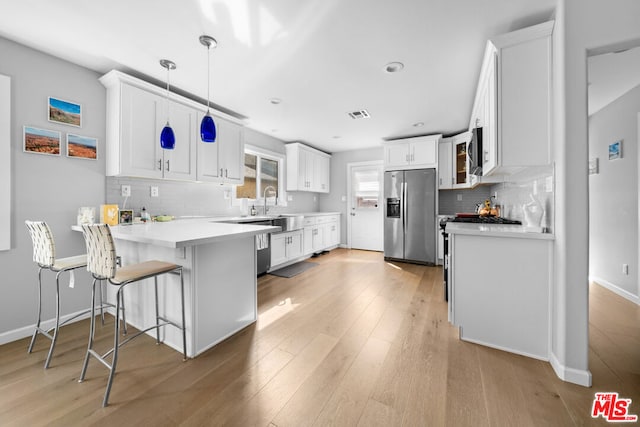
(499,285)
(219,263)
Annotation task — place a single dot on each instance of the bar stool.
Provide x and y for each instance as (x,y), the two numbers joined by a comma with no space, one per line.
(44,254)
(101,262)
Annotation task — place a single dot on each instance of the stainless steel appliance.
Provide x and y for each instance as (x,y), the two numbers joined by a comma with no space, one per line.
(410,220)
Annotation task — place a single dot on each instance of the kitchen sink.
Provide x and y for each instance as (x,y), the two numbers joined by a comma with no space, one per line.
(287,222)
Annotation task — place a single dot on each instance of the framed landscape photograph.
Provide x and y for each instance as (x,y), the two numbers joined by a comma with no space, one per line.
(65,112)
(82,147)
(41,141)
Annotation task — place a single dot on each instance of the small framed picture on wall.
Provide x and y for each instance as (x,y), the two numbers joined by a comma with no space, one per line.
(615,150)
(64,112)
(41,141)
(82,147)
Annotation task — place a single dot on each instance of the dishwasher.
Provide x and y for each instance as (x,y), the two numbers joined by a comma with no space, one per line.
(263,254)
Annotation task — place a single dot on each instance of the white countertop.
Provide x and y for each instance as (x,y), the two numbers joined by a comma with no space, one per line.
(495,230)
(268,217)
(185,232)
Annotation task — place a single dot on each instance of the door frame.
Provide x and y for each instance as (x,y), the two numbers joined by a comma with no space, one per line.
(350,166)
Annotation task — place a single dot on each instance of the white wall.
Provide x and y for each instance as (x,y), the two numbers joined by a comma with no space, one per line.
(580,25)
(49,188)
(613,195)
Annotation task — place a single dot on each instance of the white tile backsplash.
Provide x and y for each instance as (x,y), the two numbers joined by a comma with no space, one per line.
(514,194)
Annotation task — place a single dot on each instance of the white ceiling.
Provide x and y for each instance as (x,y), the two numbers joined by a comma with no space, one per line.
(611,75)
(322,58)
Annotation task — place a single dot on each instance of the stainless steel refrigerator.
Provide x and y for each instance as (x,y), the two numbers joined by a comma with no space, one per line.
(410,217)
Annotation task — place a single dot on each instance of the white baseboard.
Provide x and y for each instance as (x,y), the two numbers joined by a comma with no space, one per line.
(575,376)
(27,331)
(615,289)
(503,348)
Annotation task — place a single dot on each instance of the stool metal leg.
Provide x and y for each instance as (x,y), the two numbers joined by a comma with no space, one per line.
(91,331)
(155,285)
(124,318)
(57,327)
(184,326)
(116,345)
(37,328)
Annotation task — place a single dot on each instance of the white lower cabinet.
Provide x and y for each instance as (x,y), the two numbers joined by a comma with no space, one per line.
(499,291)
(285,247)
(320,233)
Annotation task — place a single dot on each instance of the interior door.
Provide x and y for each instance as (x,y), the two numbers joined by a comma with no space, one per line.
(366,207)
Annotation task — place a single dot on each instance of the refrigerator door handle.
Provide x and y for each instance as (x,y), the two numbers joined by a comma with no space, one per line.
(404,210)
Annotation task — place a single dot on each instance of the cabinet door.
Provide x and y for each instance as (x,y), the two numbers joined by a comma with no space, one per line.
(460,162)
(396,154)
(489,129)
(330,234)
(140,152)
(230,138)
(279,248)
(208,155)
(180,163)
(323,173)
(525,102)
(318,238)
(308,170)
(423,152)
(445,158)
(308,240)
(294,247)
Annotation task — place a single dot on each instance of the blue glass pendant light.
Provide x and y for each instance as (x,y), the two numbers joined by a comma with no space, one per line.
(208,127)
(167,137)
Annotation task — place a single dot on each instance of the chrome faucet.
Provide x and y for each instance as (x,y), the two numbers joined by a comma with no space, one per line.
(264,196)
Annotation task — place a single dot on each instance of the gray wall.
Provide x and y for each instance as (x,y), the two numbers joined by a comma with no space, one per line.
(49,188)
(613,194)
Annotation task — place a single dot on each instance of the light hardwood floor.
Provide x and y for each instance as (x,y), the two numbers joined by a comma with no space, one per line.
(354,341)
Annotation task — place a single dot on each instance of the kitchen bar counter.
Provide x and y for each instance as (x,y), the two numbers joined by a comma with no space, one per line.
(219,267)
(495,230)
(185,232)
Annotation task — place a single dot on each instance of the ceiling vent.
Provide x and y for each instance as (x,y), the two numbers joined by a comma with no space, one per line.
(360,114)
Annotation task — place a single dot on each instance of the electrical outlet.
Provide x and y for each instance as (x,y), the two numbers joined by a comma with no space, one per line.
(125,190)
(625,269)
(459,197)
(154,191)
(289,198)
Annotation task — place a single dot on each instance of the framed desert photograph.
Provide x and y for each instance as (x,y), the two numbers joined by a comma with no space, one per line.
(65,112)
(41,141)
(82,147)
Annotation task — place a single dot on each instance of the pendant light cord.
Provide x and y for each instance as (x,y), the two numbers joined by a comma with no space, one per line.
(167,97)
(208,74)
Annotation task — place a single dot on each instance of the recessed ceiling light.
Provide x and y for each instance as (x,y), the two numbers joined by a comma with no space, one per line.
(275,101)
(393,67)
(419,124)
(336,137)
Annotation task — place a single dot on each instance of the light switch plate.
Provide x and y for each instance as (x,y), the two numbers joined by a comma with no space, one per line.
(289,198)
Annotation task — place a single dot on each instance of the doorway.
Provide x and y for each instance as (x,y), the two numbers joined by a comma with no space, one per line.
(364,206)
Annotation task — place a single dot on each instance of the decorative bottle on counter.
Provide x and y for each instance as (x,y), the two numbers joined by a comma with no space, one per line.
(144,215)
(254,212)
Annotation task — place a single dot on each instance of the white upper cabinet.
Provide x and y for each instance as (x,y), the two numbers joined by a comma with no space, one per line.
(307,169)
(513,100)
(445,161)
(223,161)
(136,113)
(412,153)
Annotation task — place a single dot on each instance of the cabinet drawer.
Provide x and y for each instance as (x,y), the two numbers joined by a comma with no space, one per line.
(309,220)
